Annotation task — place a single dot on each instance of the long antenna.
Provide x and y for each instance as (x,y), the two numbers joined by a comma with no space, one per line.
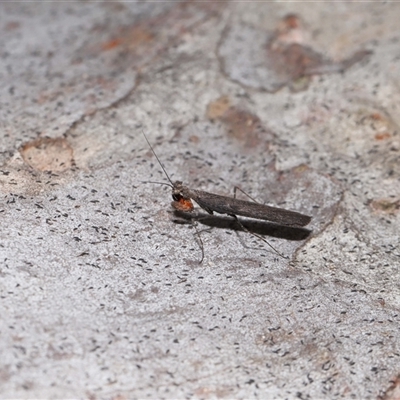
(160,183)
(162,166)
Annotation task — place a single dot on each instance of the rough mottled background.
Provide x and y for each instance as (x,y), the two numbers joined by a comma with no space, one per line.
(101,292)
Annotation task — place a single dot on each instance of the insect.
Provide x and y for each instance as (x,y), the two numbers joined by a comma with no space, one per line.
(210,202)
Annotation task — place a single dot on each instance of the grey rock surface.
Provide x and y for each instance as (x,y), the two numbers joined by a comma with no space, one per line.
(102,294)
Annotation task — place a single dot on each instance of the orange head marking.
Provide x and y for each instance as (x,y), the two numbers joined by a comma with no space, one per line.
(182,204)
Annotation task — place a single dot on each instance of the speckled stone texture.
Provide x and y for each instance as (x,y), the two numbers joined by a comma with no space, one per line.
(101,292)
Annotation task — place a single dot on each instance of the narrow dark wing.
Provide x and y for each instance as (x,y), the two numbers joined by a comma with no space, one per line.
(231,206)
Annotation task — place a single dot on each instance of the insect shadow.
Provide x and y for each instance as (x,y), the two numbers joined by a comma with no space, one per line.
(257,227)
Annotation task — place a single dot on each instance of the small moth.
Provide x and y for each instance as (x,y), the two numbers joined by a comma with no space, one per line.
(210,202)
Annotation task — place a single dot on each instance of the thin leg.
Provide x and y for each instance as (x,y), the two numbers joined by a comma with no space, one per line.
(245,229)
(258,236)
(200,241)
(193,218)
(238,188)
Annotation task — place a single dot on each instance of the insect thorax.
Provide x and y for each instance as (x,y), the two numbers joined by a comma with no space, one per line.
(179,191)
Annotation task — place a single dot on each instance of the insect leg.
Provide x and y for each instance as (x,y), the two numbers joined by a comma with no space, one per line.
(238,188)
(244,228)
(192,217)
(257,236)
(194,223)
